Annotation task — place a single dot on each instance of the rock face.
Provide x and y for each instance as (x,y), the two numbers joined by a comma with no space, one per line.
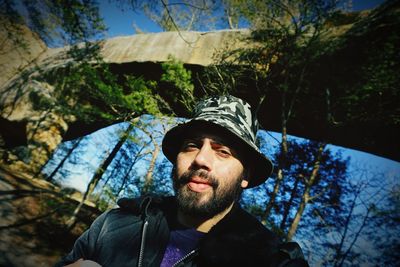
(197,48)
(15,58)
(17,113)
(28,136)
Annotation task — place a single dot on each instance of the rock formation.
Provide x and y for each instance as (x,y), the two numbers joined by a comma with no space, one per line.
(29,136)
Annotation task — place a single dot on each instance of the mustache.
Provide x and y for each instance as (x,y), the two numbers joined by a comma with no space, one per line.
(187,176)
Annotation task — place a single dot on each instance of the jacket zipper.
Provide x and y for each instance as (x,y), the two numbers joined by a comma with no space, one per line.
(142,243)
(184,258)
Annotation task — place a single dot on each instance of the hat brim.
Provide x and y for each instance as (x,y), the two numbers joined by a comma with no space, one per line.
(262,166)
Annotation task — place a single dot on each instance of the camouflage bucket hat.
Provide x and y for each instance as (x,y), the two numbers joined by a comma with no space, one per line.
(232,115)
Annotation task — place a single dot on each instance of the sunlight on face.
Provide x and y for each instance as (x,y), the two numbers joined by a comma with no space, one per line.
(208,175)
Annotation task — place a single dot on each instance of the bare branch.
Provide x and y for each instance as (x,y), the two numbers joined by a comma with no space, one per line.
(175,25)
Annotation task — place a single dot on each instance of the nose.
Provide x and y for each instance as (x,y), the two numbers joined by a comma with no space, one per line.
(203,158)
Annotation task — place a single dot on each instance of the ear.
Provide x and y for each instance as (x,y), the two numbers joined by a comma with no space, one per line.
(244,183)
(246,177)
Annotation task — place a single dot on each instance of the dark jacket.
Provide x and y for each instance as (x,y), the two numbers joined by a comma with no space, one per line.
(137,233)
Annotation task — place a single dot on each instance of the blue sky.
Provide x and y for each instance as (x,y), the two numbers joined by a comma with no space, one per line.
(104,139)
(120,22)
(365,4)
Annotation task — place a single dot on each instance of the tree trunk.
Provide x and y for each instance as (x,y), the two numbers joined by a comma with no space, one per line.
(272,198)
(284,144)
(98,196)
(149,175)
(289,205)
(138,156)
(62,162)
(306,196)
(70,224)
(286,113)
(299,213)
(282,158)
(97,176)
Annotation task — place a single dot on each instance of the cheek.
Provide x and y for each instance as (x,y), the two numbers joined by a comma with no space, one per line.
(231,171)
(182,164)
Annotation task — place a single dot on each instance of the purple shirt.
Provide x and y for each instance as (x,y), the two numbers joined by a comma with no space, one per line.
(181,242)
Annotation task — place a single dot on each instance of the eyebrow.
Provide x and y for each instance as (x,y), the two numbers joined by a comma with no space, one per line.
(214,140)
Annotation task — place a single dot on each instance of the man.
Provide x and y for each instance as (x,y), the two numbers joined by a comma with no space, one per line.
(215,157)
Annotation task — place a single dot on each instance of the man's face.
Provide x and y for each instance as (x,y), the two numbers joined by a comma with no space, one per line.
(208,175)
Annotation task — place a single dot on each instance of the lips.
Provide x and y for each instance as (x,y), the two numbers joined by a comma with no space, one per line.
(198,185)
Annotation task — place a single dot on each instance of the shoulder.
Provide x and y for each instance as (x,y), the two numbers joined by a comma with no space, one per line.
(273,250)
(240,222)
(240,239)
(146,204)
(128,218)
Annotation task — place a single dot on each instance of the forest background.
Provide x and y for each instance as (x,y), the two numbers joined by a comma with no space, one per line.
(342,211)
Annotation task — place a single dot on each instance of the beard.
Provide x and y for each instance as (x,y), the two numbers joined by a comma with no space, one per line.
(208,204)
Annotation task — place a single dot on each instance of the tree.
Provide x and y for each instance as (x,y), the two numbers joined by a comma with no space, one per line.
(29,27)
(69,151)
(122,173)
(56,22)
(94,93)
(286,36)
(138,168)
(148,181)
(98,174)
(389,217)
(349,231)
(306,196)
(177,85)
(183,16)
(344,252)
(89,94)
(315,179)
(386,218)
(197,15)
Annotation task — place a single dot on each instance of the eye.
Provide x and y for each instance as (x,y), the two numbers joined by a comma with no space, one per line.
(189,146)
(224,152)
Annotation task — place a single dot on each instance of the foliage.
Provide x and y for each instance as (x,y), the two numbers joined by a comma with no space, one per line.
(126,175)
(94,93)
(387,219)
(105,199)
(327,190)
(63,156)
(285,37)
(376,92)
(184,15)
(56,22)
(177,83)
